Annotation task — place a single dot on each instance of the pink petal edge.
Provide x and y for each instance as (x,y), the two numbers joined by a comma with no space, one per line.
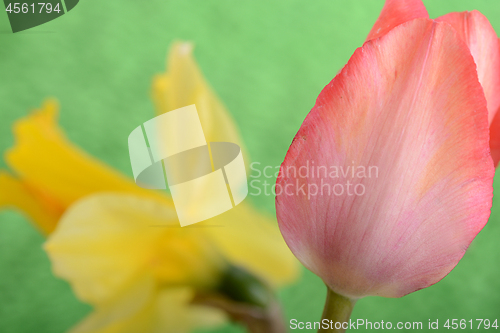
(409,103)
(394,13)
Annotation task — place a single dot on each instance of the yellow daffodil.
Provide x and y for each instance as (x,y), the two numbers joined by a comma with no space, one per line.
(120,246)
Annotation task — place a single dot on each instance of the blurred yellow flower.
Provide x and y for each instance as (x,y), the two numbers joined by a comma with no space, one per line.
(120,246)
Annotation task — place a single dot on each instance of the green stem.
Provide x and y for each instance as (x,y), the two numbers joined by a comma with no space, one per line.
(337,311)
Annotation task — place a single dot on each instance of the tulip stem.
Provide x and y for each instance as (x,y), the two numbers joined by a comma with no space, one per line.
(337,311)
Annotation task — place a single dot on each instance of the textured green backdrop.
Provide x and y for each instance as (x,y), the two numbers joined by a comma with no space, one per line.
(267,60)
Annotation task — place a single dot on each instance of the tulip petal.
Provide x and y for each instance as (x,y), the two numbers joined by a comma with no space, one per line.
(495,138)
(39,208)
(410,105)
(104,241)
(394,13)
(45,160)
(476,31)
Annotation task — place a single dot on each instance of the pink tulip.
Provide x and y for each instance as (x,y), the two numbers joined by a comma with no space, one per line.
(403,131)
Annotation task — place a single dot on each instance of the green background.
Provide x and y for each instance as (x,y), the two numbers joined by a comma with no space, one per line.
(267,60)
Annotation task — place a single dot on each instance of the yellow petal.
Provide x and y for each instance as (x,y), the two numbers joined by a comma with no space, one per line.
(178,315)
(41,209)
(129,311)
(247,238)
(253,241)
(142,307)
(43,158)
(105,240)
(184,85)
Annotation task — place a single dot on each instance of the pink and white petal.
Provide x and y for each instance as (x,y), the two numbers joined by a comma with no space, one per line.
(410,105)
(394,13)
(476,31)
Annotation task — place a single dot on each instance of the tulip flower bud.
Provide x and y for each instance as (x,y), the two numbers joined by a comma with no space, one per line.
(399,174)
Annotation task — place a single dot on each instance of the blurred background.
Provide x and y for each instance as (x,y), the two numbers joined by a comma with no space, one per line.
(267,60)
